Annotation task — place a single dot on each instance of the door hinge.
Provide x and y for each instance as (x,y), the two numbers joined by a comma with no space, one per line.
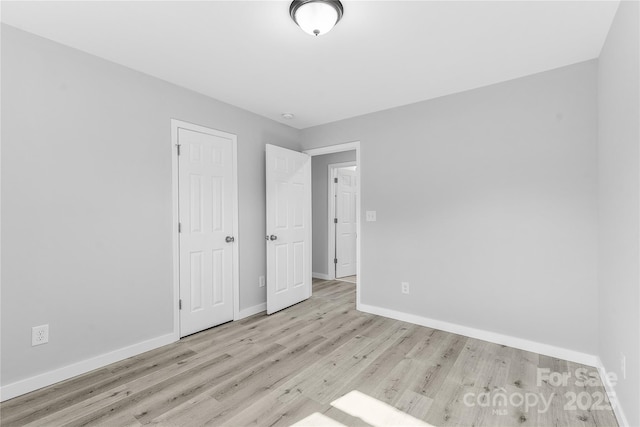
(179,304)
(179,227)
(335,220)
(335,260)
(178,148)
(335,180)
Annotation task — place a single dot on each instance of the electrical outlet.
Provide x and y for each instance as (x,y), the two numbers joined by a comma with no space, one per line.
(405,287)
(623,366)
(261,281)
(39,335)
(371,216)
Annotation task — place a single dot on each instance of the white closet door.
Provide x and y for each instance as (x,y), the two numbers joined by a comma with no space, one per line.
(206,237)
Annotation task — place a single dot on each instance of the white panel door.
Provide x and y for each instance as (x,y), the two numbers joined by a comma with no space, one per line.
(288,227)
(347,226)
(205,186)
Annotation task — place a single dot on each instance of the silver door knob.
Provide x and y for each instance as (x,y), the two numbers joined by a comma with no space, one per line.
(272,237)
(229,239)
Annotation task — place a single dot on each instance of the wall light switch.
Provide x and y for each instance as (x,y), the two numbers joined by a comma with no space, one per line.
(371,216)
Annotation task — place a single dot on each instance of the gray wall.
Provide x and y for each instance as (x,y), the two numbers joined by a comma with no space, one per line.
(86,201)
(490,194)
(486,205)
(320,199)
(619,205)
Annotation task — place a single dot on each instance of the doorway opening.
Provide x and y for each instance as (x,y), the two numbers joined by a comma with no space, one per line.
(328,252)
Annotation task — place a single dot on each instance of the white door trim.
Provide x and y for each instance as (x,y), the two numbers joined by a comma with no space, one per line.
(175,125)
(339,148)
(331,204)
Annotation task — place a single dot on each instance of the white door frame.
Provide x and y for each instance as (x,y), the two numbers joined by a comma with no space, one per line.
(332,170)
(175,125)
(339,148)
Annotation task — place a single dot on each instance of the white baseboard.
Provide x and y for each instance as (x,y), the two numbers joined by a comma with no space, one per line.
(27,385)
(250,311)
(613,397)
(321,276)
(523,344)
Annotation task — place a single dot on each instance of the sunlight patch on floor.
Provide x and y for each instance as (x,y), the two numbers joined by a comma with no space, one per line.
(317,420)
(374,412)
(368,409)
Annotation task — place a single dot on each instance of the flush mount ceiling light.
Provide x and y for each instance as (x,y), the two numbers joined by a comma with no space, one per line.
(316,17)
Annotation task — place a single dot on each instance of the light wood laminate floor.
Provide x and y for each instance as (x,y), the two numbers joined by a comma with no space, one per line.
(291,366)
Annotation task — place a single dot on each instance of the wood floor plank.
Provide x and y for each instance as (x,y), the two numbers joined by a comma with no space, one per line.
(189,384)
(375,375)
(438,365)
(269,373)
(180,383)
(342,365)
(270,412)
(391,386)
(186,387)
(414,404)
(92,385)
(82,409)
(14,409)
(277,370)
(314,378)
(197,411)
(455,376)
(345,331)
(523,369)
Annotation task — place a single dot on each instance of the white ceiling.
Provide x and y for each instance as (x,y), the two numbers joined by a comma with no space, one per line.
(382,54)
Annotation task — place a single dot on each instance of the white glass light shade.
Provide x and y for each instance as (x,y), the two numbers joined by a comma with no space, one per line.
(316,17)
